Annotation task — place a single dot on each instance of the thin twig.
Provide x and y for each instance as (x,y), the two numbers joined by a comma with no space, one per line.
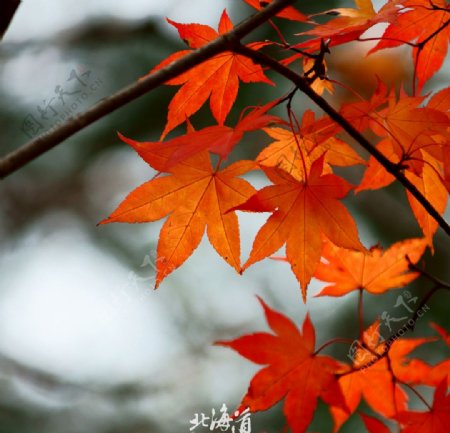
(330,342)
(419,396)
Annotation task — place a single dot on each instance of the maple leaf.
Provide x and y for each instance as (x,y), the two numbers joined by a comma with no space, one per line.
(293,152)
(217,77)
(411,129)
(360,113)
(436,420)
(408,131)
(442,332)
(289,12)
(349,25)
(431,186)
(218,139)
(292,371)
(375,270)
(440,371)
(302,212)
(374,382)
(415,138)
(411,371)
(194,196)
(426,23)
(221,139)
(429,183)
(441,101)
(374,425)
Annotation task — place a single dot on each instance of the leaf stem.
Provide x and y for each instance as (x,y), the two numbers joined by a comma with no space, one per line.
(417,393)
(334,340)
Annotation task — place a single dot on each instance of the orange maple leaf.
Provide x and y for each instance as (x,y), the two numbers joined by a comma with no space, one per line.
(426,22)
(411,129)
(194,196)
(416,139)
(375,270)
(374,381)
(441,101)
(289,13)
(218,139)
(292,152)
(431,186)
(349,25)
(217,77)
(441,370)
(292,371)
(302,212)
(436,420)
(416,371)
(221,139)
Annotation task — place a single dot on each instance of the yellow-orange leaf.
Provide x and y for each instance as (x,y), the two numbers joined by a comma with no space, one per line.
(217,77)
(194,196)
(302,212)
(375,270)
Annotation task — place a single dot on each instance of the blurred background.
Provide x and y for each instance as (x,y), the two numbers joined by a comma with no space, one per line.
(86,344)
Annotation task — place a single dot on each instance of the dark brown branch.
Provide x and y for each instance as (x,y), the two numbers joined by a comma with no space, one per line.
(7,10)
(303,85)
(36,147)
(437,282)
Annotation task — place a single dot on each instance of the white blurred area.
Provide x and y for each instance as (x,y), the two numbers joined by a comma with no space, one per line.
(42,18)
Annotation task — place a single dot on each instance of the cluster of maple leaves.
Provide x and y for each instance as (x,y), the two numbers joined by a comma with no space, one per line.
(304,198)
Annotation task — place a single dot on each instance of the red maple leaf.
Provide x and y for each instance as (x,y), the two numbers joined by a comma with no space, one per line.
(416,139)
(436,420)
(374,425)
(217,77)
(349,24)
(218,139)
(426,23)
(292,371)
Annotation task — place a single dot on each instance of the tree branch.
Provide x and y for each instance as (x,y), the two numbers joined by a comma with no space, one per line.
(36,147)
(7,10)
(304,86)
